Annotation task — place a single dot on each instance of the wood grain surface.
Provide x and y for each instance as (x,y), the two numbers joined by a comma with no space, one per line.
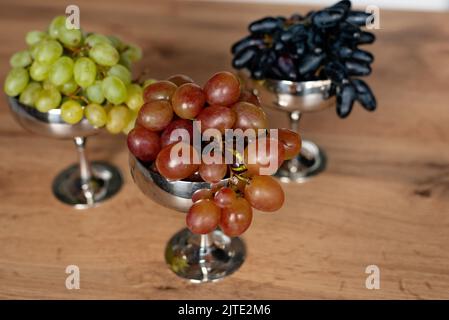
(383,200)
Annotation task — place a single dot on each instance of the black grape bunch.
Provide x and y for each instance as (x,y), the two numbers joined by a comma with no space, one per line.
(323,44)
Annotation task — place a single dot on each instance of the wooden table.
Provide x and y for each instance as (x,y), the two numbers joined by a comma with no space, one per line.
(383,200)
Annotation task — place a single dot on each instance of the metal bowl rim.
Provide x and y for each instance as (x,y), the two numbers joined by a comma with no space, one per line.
(148,172)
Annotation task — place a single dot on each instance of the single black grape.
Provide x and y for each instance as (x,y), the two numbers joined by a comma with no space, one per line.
(310,63)
(246,42)
(366,38)
(364,95)
(328,18)
(244,57)
(355,68)
(356,54)
(265,25)
(362,55)
(345,52)
(358,18)
(346,95)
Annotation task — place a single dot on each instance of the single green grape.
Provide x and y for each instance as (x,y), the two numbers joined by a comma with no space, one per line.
(21,59)
(114,90)
(16,81)
(48,51)
(134,53)
(135,97)
(118,118)
(29,95)
(85,72)
(56,24)
(104,54)
(147,82)
(96,115)
(71,111)
(95,93)
(34,37)
(48,99)
(61,71)
(71,38)
(125,61)
(116,42)
(120,72)
(131,122)
(95,38)
(39,71)
(46,84)
(69,87)
(33,50)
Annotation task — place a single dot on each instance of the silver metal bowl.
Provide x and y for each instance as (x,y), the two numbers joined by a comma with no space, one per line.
(81,185)
(49,123)
(176,195)
(295,98)
(198,258)
(307,96)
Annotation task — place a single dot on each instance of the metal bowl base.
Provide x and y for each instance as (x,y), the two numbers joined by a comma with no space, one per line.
(106,182)
(310,162)
(189,260)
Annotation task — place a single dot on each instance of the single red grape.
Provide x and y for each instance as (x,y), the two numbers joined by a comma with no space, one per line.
(291,142)
(213,172)
(217,117)
(257,158)
(249,116)
(160,90)
(201,194)
(166,136)
(222,89)
(225,197)
(188,100)
(264,193)
(181,165)
(155,115)
(203,217)
(180,79)
(143,144)
(236,218)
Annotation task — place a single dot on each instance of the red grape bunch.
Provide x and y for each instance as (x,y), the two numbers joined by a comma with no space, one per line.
(237,186)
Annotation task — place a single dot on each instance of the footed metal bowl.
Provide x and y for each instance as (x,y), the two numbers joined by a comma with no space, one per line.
(83,185)
(198,258)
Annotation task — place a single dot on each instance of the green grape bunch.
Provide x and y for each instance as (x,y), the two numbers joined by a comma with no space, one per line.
(84,74)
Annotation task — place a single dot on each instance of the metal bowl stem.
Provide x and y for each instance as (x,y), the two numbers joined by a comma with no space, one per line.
(197,258)
(83,185)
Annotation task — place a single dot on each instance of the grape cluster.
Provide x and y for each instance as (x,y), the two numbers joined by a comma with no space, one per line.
(323,44)
(220,104)
(85,75)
